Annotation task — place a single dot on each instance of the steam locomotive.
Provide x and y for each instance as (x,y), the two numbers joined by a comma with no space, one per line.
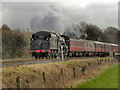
(44,44)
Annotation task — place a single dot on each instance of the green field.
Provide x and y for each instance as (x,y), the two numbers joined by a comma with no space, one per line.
(107,79)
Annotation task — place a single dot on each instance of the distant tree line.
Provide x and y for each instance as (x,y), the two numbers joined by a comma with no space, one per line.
(87,31)
(14,43)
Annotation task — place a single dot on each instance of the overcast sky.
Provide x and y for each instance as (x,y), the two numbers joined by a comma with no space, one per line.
(58,16)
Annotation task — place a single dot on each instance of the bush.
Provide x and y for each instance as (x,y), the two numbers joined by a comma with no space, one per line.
(14,44)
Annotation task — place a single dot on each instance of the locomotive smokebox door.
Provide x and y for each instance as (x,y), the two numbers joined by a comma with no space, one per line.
(40,44)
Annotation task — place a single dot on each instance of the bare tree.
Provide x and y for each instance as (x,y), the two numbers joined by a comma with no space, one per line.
(93,32)
(110,35)
(83,26)
(5,27)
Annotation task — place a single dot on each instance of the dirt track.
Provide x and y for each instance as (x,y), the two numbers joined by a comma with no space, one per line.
(16,62)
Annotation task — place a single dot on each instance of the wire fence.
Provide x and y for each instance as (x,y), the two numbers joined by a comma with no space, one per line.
(75,70)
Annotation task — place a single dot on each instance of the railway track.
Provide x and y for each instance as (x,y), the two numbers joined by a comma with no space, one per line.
(14,62)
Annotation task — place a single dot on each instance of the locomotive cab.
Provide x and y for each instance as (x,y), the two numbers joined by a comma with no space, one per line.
(67,42)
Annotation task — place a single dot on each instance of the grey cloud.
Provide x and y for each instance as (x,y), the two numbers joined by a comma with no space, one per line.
(52,20)
(54,16)
(103,15)
(0,14)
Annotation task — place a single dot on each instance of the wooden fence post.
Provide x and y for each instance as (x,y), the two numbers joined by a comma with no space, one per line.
(83,69)
(44,79)
(74,71)
(88,64)
(61,72)
(98,63)
(105,59)
(108,59)
(71,88)
(18,82)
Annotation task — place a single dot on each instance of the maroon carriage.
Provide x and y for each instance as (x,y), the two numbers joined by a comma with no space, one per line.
(82,47)
(91,46)
(114,48)
(108,47)
(99,46)
(86,45)
(76,45)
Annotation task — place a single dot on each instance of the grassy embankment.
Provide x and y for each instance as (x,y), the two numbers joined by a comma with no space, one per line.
(107,79)
(31,75)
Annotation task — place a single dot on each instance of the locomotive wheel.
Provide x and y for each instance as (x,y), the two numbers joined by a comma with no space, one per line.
(49,56)
(39,57)
(36,57)
(55,56)
(73,55)
(52,56)
(58,55)
(46,57)
(42,57)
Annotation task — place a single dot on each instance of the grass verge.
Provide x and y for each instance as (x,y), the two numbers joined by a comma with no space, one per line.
(107,79)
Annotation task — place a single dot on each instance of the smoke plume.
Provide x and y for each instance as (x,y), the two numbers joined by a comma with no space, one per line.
(52,20)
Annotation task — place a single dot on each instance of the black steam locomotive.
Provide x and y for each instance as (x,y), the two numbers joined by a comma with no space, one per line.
(48,44)
(51,45)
